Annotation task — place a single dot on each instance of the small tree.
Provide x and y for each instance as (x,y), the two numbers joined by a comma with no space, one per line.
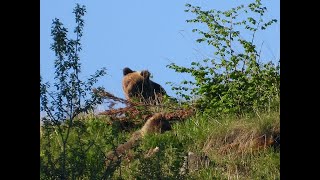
(234,81)
(71,96)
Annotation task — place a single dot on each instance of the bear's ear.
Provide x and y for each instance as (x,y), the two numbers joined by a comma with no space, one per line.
(145,74)
(127,70)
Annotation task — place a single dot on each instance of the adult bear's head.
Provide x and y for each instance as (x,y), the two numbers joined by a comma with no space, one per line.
(137,85)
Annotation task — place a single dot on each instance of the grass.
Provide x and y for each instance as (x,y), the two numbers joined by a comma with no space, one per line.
(238,148)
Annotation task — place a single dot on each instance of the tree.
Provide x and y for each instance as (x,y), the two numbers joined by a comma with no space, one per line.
(234,81)
(71,96)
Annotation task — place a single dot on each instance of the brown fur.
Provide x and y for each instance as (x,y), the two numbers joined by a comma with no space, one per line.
(155,124)
(137,85)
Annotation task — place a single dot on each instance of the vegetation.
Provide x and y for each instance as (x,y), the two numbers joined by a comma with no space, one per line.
(60,158)
(234,81)
(228,127)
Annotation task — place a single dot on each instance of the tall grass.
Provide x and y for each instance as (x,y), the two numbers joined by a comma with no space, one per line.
(247,148)
(238,148)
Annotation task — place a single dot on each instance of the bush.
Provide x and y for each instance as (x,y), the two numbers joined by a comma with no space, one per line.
(234,81)
(69,147)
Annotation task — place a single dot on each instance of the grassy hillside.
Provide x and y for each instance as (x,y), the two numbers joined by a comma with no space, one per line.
(246,148)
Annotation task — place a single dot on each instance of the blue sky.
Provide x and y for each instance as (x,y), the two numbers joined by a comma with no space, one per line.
(140,34)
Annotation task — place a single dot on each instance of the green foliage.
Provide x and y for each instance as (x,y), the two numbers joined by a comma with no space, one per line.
(234,81)
(166,163)
(206,134)
(66,153)
(91,138)
(246,164)
(70,97)
(88,141)
(265,165)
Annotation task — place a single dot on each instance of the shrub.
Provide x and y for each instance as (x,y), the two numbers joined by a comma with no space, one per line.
(234,81)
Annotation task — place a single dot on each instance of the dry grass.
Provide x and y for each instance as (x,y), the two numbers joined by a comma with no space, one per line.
(243,148)
(242,140)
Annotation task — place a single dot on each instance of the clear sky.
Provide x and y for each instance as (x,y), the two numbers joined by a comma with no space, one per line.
(140,34)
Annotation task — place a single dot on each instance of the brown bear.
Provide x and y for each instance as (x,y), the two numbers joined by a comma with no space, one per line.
(155,124)
(137,85)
